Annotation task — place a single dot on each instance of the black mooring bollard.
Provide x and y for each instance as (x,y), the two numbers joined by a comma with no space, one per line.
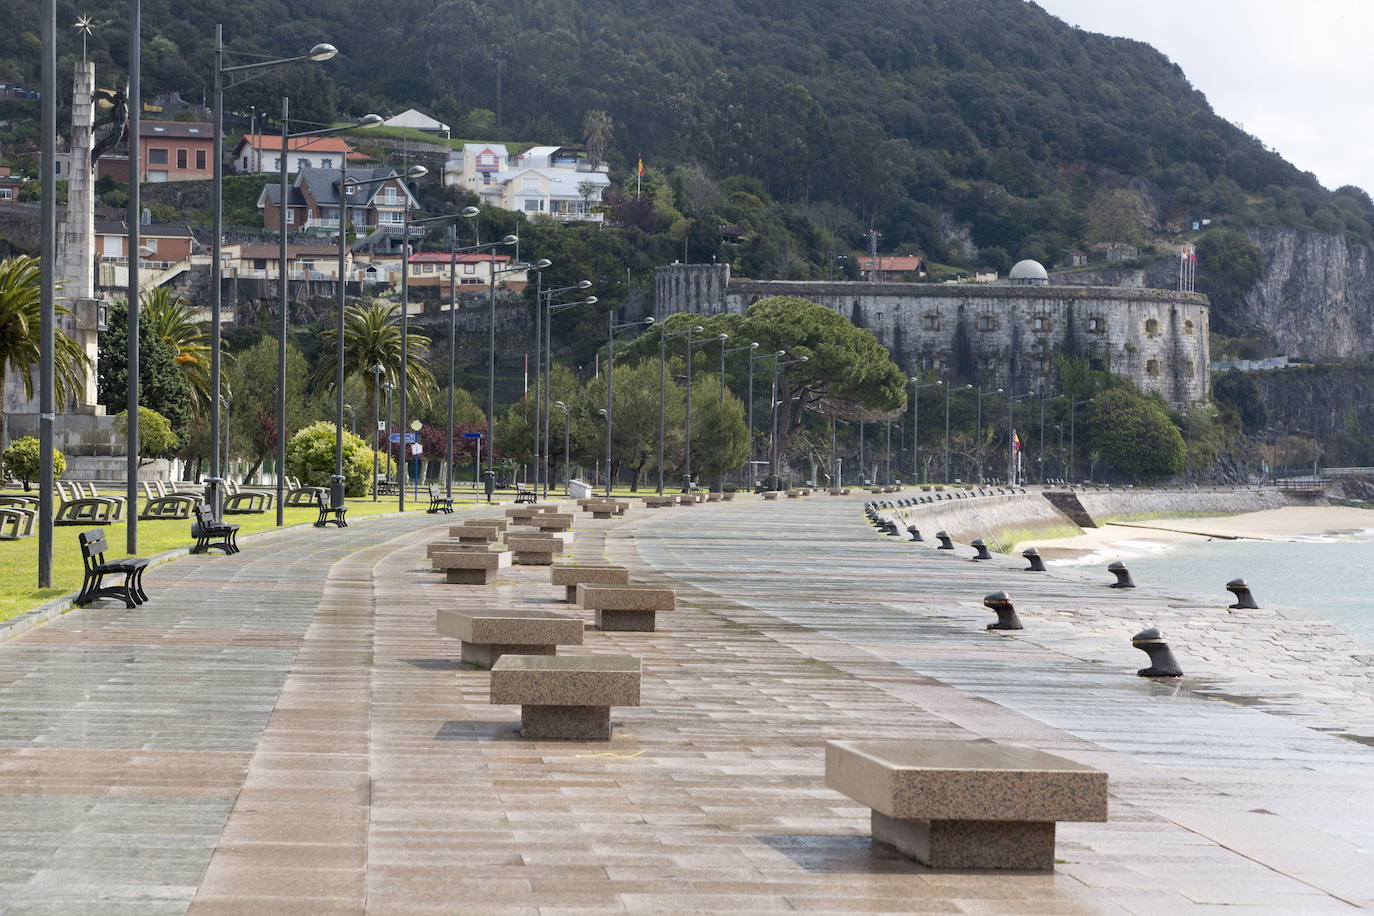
(1000,603)
(1162,661)
(1244,600)
(1033,556)
(1123,575)
(982,548)
(892,529)
(915,534)
(945,542)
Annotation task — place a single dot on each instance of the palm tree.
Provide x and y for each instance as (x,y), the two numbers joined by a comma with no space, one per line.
(372,337)
(173,319)
(597,130)
(20,313)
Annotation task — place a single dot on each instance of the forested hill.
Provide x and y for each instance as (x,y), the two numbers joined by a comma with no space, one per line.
(950,125)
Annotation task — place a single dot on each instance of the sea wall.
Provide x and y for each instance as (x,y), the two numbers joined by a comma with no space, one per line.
(1005,519)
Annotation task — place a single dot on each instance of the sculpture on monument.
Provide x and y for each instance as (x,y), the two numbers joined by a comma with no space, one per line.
(112,129)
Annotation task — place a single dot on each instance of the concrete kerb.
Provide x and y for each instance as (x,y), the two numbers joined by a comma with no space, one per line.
(51,610)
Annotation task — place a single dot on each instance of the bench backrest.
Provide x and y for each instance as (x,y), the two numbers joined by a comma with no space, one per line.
(62,491)
(92,548)
(205,517)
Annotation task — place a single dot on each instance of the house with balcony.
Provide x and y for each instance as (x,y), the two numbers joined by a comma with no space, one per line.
(471,271)
(261,154)
(165,253)
(169,150)
(552,181)
(376,211)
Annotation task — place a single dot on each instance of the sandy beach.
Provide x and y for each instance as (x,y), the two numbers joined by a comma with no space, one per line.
(1155,536)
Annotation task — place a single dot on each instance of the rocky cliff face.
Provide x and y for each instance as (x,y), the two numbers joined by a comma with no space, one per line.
(1316,296)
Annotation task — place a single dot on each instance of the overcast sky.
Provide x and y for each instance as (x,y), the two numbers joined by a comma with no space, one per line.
(1297,74)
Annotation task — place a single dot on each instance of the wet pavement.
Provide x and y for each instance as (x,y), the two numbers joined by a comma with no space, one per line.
(284,731)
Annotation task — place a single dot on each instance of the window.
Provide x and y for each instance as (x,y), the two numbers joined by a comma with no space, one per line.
(6,193)
(1152,327)
(326,163)
(472,280)
(533,205)
(1187,327)
(200,160)
(1038,365)
(390,218)
(987,363)
(1041,323)
(290,217)
(1097,364)
(469,268)
(1097,324)
(150,244)
(987,322)
(1152,368)
(1188,367)
(302,163)
(276,164)
(259,263)
(928,363)
(930,322)
(157,156)
(182,159)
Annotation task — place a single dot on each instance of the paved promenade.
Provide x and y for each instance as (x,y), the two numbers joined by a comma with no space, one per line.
(285,732)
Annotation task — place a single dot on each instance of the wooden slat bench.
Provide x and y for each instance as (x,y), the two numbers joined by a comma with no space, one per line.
(966,804)
(572,576)
(470,567)
(626,608)
(489,633)
(566,697)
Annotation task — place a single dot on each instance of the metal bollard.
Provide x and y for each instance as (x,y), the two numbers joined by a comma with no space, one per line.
(1033,556)
(892,529)
(1162,661)
(915,534)
(1244,600)
(1123,575)
(945,542)
(1000,603)
(982,548)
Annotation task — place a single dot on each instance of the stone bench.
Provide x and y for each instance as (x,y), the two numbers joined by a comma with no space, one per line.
(572,576)
(470,567)
(714,497)
(438,548)
(794,494)
(474,534)
(487,634)
(516,513)
(835,491)
(500,524)
(550,522)
(566,697)
(966,804)
(659,502)
(770,494)
(535,551)
(625,608)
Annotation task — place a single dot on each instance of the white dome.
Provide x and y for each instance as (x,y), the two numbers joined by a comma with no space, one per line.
(1029,270)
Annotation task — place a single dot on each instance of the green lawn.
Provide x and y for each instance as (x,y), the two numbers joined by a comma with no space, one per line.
(19,559)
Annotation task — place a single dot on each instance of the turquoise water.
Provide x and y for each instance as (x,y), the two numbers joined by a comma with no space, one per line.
(1333,576)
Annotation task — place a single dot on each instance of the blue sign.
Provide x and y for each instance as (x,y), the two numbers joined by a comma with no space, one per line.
(472,435)
(410,437)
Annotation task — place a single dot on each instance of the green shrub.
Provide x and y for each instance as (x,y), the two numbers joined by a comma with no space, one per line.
(21,460)
(310,456)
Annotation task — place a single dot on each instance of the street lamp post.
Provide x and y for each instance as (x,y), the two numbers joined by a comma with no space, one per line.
(724,351)
(47,339)
(687,456)
(773,446)
(566,442)
(776,354)
(414,172)
(611,328)
(550,309)
(916,424)
(491,352)
(244,72)
(376,371)
(388,387)
(541,380)
(663,389)
(887,458)
(978,431)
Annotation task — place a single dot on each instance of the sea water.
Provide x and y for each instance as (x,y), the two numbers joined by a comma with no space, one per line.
(1330,574)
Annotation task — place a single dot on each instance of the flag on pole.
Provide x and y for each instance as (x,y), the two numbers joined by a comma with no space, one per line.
(1015,442)
(639,172)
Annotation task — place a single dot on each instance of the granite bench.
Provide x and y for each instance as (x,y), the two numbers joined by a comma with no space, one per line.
(770,494)
(625,608)
(501,524)
(550,522)
(572,576)
(470,567)
(793,494)
(525,512)
(566,697)
(531,550)
(714,496)
(659,502)
(487,634)
(475,534)
(966,804)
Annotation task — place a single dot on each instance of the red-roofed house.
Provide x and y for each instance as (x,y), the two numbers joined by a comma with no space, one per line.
(431,269)
(261,153)
(894,268)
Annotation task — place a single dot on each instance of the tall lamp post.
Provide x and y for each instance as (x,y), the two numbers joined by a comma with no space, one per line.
(916,388)
(47,339)
(687,470)
(388,387)
(978,430)
(542,264)
(415,172)
(377,371)
(611,328)
(551,309)
(777,374)
(237,75)
(543,374)
(949,390)
(663,388)
(724,352)
(567,412)
(775,355)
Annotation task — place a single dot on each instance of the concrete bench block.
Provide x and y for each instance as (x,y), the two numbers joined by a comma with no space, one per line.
(714,497)
(550,522)
(535,551)
(475,534)
(660,502)
(572,576)
(487,634)
(519,512)
(566,697)
(626,608)
(471,567)
(499,523)
(966,804)
(793,494)
(770,494)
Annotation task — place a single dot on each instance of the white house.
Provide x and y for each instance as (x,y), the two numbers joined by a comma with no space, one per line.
(555,181)
(261,154)
(418,120)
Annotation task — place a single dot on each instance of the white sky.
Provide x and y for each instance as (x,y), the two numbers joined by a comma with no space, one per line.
(1297,74)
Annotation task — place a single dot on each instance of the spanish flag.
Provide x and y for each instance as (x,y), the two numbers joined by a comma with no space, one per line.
(640,171)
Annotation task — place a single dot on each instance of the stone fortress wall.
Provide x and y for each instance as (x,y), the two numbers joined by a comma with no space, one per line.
(995,335)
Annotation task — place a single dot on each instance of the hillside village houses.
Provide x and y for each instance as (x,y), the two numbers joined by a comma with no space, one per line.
(261,153)
(376,212)
(555,181)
